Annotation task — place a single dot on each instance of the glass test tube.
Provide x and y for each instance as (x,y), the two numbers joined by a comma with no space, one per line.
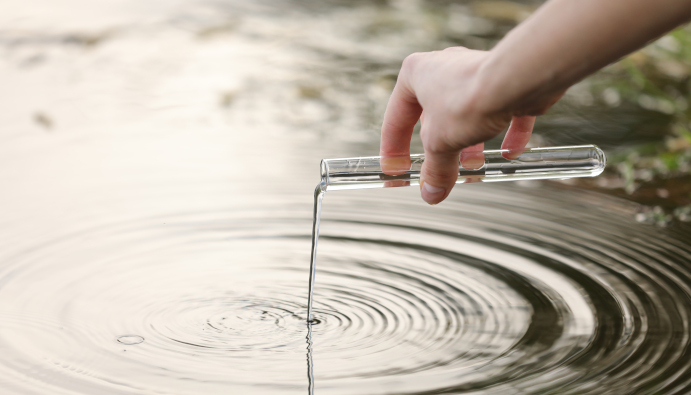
(534,163)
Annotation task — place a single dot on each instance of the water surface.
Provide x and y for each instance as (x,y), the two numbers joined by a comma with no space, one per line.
(487,293)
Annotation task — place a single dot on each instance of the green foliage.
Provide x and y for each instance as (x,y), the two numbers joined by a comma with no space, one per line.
(655,78)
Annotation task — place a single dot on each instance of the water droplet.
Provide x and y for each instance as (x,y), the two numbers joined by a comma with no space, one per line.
(130,340)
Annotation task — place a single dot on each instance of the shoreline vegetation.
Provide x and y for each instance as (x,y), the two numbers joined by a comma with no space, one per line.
(657,173)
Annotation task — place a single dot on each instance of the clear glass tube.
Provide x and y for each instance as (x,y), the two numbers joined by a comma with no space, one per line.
(486,166)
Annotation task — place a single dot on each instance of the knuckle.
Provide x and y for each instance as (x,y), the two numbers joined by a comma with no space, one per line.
(441,175)
(410,61)
(438,146)
(437,142)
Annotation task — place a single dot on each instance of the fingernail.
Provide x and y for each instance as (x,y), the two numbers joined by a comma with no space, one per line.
(472,160)
(432,194)
(512,154)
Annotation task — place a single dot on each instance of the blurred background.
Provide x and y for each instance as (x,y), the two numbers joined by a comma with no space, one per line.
(157,166)
(248,76)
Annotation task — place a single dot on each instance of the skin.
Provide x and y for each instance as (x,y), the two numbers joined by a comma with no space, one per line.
(465,97)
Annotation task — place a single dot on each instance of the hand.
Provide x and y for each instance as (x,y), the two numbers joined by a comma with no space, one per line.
(459,116)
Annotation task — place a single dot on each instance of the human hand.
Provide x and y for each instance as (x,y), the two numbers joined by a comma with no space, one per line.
(461,112)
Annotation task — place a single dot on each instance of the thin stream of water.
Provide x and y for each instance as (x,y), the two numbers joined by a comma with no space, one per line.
(319,192)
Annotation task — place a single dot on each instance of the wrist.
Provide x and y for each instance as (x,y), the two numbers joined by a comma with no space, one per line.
(487,91)
(507,83)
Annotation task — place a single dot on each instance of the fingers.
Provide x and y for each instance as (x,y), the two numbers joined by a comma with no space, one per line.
(472,157)
(402,113)
(439,172)
(517,136)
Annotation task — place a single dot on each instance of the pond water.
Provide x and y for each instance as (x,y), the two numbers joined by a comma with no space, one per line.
(157,168)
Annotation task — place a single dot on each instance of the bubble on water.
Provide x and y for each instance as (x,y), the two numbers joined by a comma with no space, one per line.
(130,340)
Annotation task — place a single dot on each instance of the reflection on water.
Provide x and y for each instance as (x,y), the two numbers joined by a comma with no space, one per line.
(489,293)
(310,360)
(157,162)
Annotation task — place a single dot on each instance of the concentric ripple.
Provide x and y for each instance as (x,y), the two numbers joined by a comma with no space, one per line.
(484,295)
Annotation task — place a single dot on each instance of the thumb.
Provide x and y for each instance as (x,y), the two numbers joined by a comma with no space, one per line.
(439,174)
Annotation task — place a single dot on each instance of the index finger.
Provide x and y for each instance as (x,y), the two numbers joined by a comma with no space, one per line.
(402,113)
